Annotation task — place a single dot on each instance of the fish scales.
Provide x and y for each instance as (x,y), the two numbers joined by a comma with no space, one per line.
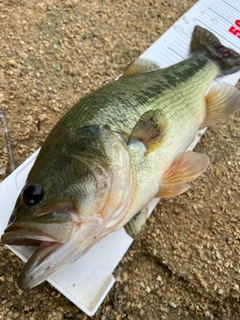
(121,103)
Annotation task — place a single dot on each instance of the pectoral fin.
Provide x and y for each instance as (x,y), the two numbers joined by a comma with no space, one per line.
(170,191)
(221,102)
(139,66)
(149,129)
(134,226)
(186,167)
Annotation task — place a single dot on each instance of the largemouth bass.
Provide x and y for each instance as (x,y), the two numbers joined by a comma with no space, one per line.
(117,149)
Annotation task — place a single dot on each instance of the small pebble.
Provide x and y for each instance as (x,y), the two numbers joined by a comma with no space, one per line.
(12,62)
(220,291)
(2,171)
(173,305)
(148,289)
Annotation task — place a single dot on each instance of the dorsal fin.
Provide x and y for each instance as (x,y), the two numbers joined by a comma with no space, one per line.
(139,66)
(222,101)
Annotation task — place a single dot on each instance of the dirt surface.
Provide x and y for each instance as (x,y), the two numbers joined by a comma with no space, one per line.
(186,262)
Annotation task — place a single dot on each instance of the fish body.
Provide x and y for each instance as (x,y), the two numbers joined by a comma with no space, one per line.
(115,150)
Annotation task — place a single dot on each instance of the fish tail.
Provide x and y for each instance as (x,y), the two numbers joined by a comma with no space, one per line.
(207,43)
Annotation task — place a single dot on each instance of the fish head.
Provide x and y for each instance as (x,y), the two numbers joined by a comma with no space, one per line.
(58,225)
(68,204)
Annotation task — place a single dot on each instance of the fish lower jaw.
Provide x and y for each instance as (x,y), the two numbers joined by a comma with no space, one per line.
(32,274)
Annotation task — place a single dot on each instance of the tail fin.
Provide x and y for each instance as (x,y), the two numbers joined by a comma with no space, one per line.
(205,42)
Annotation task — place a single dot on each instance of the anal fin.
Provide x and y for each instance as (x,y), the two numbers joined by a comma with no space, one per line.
(134,226)
(186,167)
(221,102)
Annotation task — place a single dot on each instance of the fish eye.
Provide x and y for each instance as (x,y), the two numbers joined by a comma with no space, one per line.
(32,194)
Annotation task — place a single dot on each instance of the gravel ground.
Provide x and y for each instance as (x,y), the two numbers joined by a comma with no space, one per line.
(186,262)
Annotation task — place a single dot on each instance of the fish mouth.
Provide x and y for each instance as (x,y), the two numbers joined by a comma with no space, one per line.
(46,233)
(31,275)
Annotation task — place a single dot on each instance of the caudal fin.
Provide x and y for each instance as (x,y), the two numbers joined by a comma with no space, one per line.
(207,43)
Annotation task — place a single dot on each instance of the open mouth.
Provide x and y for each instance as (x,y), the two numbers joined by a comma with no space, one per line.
(18,236)
(45,246)
(46,233)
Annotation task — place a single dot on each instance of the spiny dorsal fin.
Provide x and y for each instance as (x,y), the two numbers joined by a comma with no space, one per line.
(221,102)
(134,226)
(139,66)
(149,129)
(186,167)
